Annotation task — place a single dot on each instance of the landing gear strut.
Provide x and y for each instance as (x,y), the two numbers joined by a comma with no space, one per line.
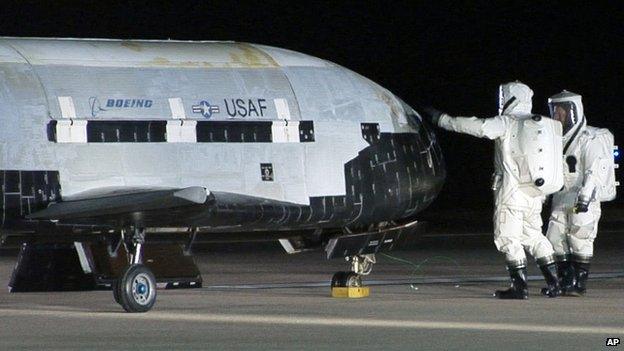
(135,289)
(360,265)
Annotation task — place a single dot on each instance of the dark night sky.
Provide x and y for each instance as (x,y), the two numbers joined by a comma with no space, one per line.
(450,55)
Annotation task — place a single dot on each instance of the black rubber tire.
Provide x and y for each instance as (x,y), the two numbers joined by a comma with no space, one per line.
(338,280)
(116,292)
(134,278)
(346,280)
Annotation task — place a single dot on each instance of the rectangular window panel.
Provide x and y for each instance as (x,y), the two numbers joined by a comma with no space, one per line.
(156,131)
(126,131)
(233,132)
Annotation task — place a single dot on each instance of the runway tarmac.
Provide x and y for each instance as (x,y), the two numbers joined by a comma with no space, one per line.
(435,295)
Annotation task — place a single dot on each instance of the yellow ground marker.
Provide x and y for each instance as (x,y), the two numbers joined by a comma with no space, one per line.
(351,293)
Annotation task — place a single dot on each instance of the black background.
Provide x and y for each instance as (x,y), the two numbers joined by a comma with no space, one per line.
(451,55)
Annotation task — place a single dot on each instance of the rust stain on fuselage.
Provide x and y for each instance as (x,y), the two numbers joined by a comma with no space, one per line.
(251,57)
(132,45)
(392,104)
(238,55)
(161,61)
(396,110)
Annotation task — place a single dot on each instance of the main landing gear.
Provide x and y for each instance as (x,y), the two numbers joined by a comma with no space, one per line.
(135,289)
(361,265)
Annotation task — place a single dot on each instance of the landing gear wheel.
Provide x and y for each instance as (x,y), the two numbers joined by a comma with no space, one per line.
(116,292)
(137,288)
(353,280)
(346,280)
(338,279)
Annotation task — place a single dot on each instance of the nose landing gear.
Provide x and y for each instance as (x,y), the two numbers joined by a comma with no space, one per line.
(361,265)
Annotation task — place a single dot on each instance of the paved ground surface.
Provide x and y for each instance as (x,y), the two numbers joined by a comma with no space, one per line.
(417,316)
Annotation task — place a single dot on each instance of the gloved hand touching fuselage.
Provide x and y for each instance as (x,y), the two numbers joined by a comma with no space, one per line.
(429,114)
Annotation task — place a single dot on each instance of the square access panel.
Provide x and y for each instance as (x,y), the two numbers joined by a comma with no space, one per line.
(266,171)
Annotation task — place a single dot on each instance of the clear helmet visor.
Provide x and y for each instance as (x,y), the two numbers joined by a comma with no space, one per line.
(564,112)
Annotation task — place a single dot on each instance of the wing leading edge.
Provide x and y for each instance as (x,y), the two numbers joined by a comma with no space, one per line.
(120,201)
(183,207)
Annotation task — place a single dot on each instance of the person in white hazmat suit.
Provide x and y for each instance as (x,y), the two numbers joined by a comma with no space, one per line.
(527,162)
(589,178)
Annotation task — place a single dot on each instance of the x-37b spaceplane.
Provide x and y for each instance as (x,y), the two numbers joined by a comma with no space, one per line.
(116,156)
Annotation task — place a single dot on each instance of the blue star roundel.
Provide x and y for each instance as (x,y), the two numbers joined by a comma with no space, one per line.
(206,109)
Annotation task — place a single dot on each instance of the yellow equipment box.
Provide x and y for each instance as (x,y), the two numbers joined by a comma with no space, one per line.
(353,293)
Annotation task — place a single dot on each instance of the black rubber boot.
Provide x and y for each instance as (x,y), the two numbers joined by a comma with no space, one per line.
(518,289)
(552,280)
(567,278)
(582,273)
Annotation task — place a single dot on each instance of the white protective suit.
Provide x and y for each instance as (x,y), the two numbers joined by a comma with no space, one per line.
(518,205)
(573,233)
